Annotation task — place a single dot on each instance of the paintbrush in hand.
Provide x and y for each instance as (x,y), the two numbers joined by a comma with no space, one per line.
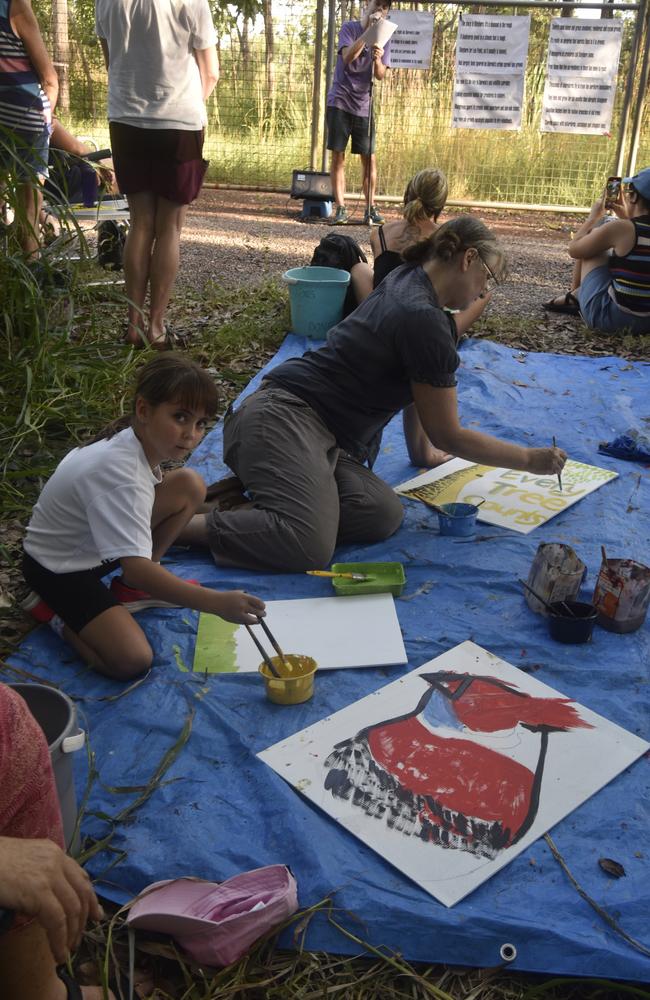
(265,656)
(559,477)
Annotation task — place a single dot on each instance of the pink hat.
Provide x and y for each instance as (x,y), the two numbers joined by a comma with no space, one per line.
(216,923)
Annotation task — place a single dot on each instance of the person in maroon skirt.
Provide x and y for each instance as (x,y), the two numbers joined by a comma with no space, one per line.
(162,65)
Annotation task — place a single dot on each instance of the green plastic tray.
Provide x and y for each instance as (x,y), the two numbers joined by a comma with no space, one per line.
(388,578)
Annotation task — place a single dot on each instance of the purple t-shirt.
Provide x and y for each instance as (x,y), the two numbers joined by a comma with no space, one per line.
(350,90)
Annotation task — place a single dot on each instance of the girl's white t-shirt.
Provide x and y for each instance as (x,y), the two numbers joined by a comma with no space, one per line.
(153,78)
(96,507)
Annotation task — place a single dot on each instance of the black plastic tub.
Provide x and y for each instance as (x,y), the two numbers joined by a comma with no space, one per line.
(571,621)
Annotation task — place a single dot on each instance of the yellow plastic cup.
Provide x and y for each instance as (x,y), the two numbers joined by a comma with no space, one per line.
(293,688)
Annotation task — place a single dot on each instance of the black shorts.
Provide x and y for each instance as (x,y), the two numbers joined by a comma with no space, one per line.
(168,162)
(341,125)
(77,598)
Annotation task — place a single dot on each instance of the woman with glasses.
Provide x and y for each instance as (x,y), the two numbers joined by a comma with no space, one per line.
(611,275)
(304,443)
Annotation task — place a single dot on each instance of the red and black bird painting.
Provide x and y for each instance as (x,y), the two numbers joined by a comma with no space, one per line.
(427,774)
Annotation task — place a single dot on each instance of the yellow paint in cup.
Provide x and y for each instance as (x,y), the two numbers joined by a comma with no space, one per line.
(293,688)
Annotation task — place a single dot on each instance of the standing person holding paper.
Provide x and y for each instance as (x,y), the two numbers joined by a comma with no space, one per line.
(361,60)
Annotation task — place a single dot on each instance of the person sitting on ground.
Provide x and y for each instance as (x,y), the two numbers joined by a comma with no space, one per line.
(29,88)
(50,894)
(304,443)
(424,199)
(107,505)
(610,288)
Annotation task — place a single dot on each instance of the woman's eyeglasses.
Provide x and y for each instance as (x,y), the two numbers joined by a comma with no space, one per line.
(490,273)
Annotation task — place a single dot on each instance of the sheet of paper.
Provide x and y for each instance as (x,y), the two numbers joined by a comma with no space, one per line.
(518,500)
(338,632)
(380,32)
(454,769)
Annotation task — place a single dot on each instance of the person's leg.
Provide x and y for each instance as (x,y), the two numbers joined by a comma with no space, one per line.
(137,261)
(371,511)
(30,203)
(337,175)
(113,644)
(178,497)
(285,457)
(169,219)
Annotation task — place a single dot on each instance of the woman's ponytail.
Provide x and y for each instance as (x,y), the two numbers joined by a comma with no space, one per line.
(454,237)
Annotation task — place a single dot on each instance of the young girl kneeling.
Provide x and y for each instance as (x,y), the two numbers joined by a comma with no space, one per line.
(107,505)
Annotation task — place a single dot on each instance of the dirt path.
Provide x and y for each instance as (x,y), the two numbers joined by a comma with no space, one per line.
(240,238)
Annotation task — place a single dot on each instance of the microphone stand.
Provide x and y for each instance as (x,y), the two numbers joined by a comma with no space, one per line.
(370,136)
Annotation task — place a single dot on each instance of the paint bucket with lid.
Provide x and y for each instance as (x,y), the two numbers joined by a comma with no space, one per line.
(316,296)
(571,621)
(622,594)
(290,688)
(556,574)
(57,716)
(457,519)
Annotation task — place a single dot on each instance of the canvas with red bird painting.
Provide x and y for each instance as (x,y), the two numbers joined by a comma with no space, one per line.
(451,771)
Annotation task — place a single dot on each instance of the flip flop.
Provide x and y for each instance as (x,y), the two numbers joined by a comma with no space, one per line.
(568,305)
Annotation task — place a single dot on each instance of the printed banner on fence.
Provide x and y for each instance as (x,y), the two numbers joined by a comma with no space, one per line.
(488,102)
(411,45)
(492,44)
(582,67)
(491,52)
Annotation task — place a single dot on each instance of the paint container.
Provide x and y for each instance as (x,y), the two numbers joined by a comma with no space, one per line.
(556,574)
(316,297)
(573,627)
(56,714)
(291,689)
(622,594)
(459,519)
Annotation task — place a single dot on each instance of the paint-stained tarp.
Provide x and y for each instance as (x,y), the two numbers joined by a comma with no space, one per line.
(219,810)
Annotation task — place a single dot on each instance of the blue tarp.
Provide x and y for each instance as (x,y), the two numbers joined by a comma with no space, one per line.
(220,811)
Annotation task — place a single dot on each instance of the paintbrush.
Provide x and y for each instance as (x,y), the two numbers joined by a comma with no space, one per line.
(276,645)
(265,656)
(546,604)
(603,553)
(559,477)
(345,576)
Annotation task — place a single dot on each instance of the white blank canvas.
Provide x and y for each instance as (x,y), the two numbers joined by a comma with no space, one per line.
(337,631)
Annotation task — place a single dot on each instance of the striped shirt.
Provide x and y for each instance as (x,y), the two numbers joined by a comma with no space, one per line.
(23,104)
(630,287)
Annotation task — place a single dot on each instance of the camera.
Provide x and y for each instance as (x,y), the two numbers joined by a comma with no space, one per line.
(613,190)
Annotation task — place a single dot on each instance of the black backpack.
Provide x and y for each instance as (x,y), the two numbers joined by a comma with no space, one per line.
(111,237)
(343,252)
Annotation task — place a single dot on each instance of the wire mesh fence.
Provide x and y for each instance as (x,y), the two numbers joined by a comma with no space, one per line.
(260,116)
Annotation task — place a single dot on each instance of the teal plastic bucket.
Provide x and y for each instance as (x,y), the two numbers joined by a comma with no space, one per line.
(316,295)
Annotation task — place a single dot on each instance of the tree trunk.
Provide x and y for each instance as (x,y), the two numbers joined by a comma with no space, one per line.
(267,14)
(61,51)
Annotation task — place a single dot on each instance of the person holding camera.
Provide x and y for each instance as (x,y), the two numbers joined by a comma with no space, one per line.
(611,274)
(349,107)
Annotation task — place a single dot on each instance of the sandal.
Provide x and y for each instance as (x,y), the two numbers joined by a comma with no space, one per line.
(567,304)
(73,988)
(170,341)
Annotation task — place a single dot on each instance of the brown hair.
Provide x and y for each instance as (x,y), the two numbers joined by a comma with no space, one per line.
(169,378)
(456,236)
(425,195)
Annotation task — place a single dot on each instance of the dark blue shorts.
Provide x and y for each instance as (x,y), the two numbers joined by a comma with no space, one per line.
(599,310)
(24,155)
(341,125)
